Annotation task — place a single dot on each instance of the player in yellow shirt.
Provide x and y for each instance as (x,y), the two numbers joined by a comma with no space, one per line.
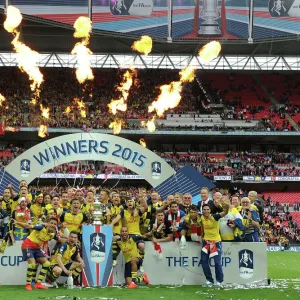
(192,225)
(74,218)
(7,202)
(60,260)
(32,253)
(64,201)
(54,204)
(133,260)
(37,208)
(212,246)
(88,206)
(131,217)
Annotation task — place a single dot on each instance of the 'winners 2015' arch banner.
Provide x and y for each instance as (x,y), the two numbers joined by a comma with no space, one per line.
(86,146)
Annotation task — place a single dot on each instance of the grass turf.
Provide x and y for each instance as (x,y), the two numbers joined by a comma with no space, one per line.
(283,267)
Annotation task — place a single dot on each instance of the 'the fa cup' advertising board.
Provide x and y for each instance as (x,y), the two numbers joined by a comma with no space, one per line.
(243,263)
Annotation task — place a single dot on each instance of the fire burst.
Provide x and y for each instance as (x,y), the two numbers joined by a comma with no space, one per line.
(81,106)
(144,45)
(149,124)
(2,99)
(13,19)
(170,94)
(67,110)
(45,111)
(124,88)
(116,126)
(209,51)
(43,131)
(26,58)
(83,27)
(143,143)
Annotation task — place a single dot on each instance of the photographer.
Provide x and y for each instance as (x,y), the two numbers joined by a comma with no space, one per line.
(250,220)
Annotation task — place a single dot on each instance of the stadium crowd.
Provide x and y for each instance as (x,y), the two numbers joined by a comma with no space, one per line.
(234,163)
(39,216)
(17,111)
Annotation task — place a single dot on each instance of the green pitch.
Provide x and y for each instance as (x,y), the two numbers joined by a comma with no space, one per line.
(284,269)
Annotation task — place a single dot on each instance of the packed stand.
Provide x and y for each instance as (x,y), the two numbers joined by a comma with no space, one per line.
(60,88)
(279,226)
(242,96)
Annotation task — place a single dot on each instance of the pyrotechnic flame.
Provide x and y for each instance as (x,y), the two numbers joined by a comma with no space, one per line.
(27,60)
(11,129)
(43,131)
(2,99)
(143,143)
(209,51)
(67,110)
(115,105)
(125,85)
(45,111)
(150,124)
(144,45)
(81,106)
(13,19)
(83,113)
(116,126)
(83,27)
(170,94)
(33,101)
(84,71)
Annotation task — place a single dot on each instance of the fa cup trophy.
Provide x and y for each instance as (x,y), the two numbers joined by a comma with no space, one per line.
(99,212)
(210,14)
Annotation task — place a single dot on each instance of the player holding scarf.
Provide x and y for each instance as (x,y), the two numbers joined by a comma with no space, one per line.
(212,246)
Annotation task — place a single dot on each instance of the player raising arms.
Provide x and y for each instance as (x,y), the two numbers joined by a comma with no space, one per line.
(133,260)
(32,253)
(131,219)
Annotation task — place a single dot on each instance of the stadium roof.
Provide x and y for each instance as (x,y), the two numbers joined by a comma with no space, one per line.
(49,36)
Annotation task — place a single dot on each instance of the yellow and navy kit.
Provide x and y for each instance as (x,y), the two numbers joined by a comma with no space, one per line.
(85,208)
(115,210)
(38,237)
(211,228)
(6,206)
(148,216)
(66,252)
(49,207)
(36,210)
(131,221)
(129,249)
(65,207)
(187,224)
(73,221)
